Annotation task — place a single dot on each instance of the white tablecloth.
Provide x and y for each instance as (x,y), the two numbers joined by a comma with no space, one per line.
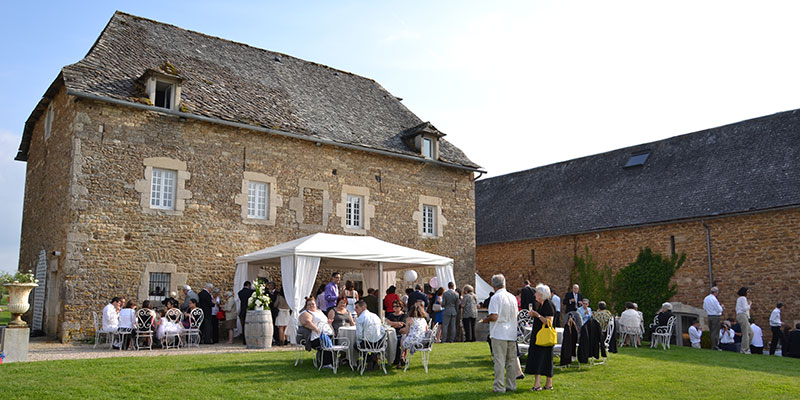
(350,333)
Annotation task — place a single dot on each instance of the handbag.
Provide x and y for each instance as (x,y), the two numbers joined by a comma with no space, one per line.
(546,337)
(437,307)
(221,315)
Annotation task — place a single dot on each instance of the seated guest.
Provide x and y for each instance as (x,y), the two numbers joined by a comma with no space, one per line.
(695,333)
(726,337)
(318,324)
(757,343)
(664,315)
(630,323)
(192,306)
(397,320)
(340,315)
(369,330)
(414,330)
(127,321)
(167,328)
(793,343)
(111,317)
(737,334)
(585,311)
(602,315)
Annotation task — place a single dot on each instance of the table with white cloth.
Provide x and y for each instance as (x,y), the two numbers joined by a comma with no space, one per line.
(352,354)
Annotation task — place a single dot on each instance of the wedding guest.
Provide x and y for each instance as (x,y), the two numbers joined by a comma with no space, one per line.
(390,298)
(540,358)
(244,298)
(111,318)
(284,316)
(405,296)
(416,296)
(127,321)
(727,335)
(662,318)
(602,315)
(206,304)
(229,306)
(573,299)
(695,334)
(437,309)
(373,304)
(502,320)
(332,291)
(397,320)
(585,311)
(369,331)
(743,318)
(714,309)
(557,304)
(414,330)
(450,306)
(188,294)
(776,324)
(469,306)
(215,298)
(352,297)
(630,323)
(793,343)
(320,298)
(317,323)
(339,315)
(757,343)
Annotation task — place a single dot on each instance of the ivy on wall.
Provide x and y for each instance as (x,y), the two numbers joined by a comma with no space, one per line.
(595,281)
(647,282)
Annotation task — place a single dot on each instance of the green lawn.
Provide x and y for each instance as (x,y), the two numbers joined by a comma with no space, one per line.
(5,315)
(458,371)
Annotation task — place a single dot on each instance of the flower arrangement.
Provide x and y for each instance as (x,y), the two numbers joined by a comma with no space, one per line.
(19,277)
(259,298)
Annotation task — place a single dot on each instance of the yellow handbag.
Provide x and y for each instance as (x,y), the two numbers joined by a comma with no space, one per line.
(547,336)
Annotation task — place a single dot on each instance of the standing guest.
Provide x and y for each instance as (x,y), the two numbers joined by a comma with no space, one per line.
(695,333)
(714,310)
(369,331)
(206,303)
(438,317)
(743,318)
(229,306)
(373,304)
(317,323)
(776,325)
(282,321)
(416,296)
(339,315)
(662,318)
(215,298)
(502,320)
(320,297)
(793,343)
(332,291)
(527,296)
(469,305)
(244,298)
(188,294)
(450,305)
(352,297)
(572,300)
(404,298)
(540,358)
(414,330)
(630,323)
(585,311)
(127,321)
(757,343)
(557,304)
(737,334)
(390,298)
(727,337)
(397,320)
(272,295)
(602,315)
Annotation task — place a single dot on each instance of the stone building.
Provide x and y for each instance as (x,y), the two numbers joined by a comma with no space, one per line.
(164,154)
(728,197)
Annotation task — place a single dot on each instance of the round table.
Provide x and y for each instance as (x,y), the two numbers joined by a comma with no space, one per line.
(352,354)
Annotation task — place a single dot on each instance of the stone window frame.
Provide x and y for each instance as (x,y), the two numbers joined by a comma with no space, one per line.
(153,78)
(48,121)
(177,279)
(296,203)
(440,220)
(143,186)
(419,142)
(367,209)
(274,199)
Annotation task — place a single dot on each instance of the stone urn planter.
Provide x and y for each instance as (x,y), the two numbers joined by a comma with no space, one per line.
(258,329)
(18,302)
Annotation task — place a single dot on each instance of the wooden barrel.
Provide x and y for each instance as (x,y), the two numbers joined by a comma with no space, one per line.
(258,329)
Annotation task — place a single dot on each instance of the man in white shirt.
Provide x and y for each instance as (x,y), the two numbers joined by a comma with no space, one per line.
(502,322)
(714,309)
(111,317)
(695,333)
(368,329)
(776,325)
(557,304)
(757,344)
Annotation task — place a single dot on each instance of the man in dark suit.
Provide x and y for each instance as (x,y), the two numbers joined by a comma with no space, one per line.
(272,293)
(206,304)
(373,303)
(415,296)
(572,299)
(528,296)
(244,297)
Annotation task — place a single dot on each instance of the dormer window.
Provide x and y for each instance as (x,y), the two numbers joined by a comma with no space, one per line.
(163,95)
(427,147)
(424,138)
(163,89)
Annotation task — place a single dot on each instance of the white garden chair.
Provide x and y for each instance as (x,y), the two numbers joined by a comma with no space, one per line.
(663,334)
(100,333)
(143,328)
(172,337)
(192,333)
(366,348)
(338,345)
(424,348)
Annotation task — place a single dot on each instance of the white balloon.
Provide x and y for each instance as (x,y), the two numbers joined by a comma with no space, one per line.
(410,275)
(434,282)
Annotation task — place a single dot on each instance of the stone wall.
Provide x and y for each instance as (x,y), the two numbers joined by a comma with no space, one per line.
(111,239)
(760,250)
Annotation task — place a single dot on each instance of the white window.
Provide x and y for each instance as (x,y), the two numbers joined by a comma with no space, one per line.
(353,211)
(162,189)
(48,121)
(427,148)
(164,93)
(429,220)
(257,200)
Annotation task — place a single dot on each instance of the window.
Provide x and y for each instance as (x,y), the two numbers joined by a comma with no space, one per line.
(637,159)
(48,121)
(257,200)
(353,211)
(672,245)
(162,189)
(429,220)
(163,94)
(159,286)
(427,148)
(533,257)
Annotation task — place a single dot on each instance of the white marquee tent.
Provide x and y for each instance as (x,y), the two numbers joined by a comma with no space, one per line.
(300,260)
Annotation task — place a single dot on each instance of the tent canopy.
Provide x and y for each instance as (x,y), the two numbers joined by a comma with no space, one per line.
(347,252)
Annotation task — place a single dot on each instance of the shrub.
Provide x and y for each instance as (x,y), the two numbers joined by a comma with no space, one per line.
(595,281)
(647,282)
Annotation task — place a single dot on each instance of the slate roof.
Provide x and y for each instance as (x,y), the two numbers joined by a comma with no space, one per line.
(239,83)
(746,166)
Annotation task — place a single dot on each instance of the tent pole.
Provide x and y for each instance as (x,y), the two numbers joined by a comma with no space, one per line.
(380,287)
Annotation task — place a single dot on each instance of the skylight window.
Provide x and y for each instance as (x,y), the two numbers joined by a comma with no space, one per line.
(637,160)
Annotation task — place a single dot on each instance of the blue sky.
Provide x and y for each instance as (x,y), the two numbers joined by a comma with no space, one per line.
(514,84)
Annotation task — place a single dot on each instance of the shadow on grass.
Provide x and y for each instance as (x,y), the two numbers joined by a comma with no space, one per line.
(726,359)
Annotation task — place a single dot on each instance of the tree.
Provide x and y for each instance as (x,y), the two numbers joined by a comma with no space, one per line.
(596,282)
(647,282)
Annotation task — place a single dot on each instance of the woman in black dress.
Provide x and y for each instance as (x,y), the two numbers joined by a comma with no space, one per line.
(540,359)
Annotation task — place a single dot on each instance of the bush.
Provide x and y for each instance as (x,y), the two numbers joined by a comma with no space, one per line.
(647,282)
(595,281)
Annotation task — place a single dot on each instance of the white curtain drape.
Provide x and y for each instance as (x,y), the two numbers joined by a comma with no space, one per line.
(370,280)
(444,273)
(244,272)
(482,289)
(298,282)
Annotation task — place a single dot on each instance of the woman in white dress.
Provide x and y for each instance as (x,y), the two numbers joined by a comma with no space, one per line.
(414,331)
(318,323)
(352,298)
(167,327)
(282,320)
(630,323)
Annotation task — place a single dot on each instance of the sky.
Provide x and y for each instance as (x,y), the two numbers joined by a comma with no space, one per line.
(515,85)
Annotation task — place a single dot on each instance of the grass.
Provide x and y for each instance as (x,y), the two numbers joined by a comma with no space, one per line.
(5,315)
(459,371)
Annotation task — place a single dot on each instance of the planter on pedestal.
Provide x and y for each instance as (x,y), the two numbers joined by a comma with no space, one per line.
(18,302)
(258,329)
